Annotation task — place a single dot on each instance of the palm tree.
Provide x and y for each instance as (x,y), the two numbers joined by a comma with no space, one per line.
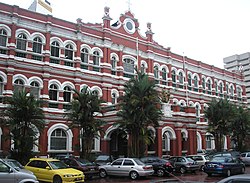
(22,116)
(139,109)
(240,128)
(85,106)
(220,114)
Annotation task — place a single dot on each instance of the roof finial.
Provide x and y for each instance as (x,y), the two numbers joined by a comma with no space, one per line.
(129,4)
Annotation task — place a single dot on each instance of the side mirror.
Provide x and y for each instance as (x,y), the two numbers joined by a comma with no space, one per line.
(10,170)
(47,168)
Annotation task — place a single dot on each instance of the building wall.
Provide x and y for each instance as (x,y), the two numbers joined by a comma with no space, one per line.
(183,122)
(240,63)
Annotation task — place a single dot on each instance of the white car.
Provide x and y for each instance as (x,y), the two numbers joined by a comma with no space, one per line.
(200,159)
(132,167)
(8,174)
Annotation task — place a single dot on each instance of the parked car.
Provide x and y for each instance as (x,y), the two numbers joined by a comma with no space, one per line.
(234,154)
(243,178)
(184,164)
(53,170)
(161,166)
(89,169)
(132,167)
(61,156)
(8,174)
(200,159)
(224,165)
(201,151)
(15,164)
(103,159)
(245,158)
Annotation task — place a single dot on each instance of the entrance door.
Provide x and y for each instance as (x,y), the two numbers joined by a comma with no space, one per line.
(118,144)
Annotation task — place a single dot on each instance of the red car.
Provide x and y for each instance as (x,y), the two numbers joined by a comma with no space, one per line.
(88,168)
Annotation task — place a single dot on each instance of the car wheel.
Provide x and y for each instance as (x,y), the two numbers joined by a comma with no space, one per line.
(160,172)
(202,168)
(228,173)
(182,169)
(57,179)
(209,174)
(102,173)
(134,175)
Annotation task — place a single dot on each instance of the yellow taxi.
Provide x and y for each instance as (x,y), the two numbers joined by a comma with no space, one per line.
(53,170)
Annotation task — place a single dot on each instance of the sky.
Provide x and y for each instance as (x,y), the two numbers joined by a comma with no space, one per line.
(204,30)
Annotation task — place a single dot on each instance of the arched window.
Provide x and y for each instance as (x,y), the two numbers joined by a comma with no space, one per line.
(53,92)
(113,65)
(34,89)
(95,92)
(173,78)
(21,43)
(181,79)
(209,87)
(221,90)
(164,76)
(1,90)
(143,68)
(67,94)
(189,82)
(216,88)
(196,83)
(128,65)
(231,92)
(239,93)
(84,58)
(156,74)
(69,52)
(55,49)
(227,89)
(37,45)
(96,58)
(197,112)
(203,85)
(166,141)
(114,98)
(3,38)
(58,140)
(96,61)
(18,85)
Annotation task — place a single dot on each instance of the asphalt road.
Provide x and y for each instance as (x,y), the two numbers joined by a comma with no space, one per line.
(198,177)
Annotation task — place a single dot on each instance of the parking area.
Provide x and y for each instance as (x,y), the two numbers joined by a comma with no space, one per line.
(187,177)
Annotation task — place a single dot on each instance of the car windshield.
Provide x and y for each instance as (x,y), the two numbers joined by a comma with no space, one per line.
(190,159)
(84,162)
(57,165)
(138,162)
(102,158)
(15,164)
(219,159)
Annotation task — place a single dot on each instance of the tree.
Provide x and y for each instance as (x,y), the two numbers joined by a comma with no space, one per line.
(140,107)
(220,114)
(240,127)
(85,106)
(22,115)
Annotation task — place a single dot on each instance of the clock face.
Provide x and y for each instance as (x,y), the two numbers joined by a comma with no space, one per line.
(129,26)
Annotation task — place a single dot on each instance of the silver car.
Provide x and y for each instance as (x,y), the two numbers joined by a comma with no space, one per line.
(245,157)
(9,174)
(132,167)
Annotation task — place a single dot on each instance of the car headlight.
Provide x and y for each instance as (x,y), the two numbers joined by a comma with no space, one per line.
(68,175)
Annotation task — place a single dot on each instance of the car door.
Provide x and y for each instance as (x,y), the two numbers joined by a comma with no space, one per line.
(6,174)
(45,173)
(115,167)
(127,166)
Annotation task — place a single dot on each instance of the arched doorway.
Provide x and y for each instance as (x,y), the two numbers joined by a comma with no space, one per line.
(168,135)
(118,143)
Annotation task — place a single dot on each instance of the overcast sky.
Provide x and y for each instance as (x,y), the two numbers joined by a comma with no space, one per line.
(204,30)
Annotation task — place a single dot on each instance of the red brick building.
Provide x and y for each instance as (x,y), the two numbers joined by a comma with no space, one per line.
(48,57)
